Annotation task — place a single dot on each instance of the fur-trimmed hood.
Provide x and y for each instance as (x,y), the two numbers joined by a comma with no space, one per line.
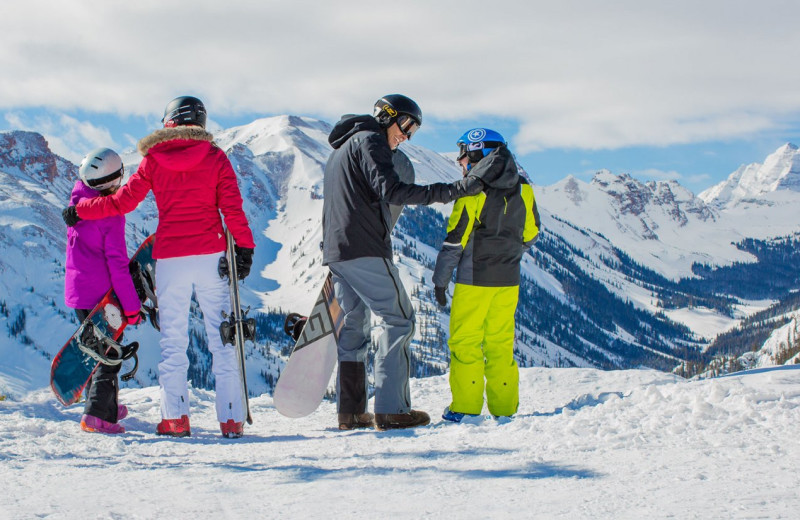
(163,135)
(180,148)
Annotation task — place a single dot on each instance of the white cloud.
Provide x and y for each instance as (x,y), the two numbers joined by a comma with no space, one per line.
(575,74)
(690,180)
(66,136)
(658,175)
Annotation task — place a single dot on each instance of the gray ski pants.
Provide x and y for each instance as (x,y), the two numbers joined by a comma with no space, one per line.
(363,285)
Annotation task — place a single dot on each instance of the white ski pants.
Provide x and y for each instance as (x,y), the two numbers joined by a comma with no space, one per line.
(176,278)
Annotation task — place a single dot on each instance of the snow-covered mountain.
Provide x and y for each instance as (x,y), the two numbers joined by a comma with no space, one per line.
(612,252)
(665,227)
(660,224)
(34,184)
(757,183)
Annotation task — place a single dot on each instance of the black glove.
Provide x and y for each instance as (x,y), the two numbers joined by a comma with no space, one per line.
(244,260)
(441,295)
(468,186)
(70,216)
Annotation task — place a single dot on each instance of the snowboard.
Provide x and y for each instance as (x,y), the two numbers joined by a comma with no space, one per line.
(237,328)
(304,380)
(95,341)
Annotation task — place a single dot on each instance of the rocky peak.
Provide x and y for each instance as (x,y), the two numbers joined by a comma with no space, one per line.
(27,154)
(631,196)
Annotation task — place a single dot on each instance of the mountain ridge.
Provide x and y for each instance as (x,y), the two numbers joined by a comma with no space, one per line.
(611,251)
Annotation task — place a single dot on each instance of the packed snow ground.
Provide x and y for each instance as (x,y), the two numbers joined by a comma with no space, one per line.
(585,444)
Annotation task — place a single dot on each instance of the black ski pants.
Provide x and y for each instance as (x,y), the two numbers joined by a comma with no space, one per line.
(103,387)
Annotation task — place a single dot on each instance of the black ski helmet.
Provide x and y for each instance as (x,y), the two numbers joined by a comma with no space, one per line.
(389,108)
(184,110)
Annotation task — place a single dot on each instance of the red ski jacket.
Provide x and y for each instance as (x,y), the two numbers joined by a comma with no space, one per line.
(192,181)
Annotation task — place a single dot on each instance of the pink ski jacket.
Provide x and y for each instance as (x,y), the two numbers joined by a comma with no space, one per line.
(193,181)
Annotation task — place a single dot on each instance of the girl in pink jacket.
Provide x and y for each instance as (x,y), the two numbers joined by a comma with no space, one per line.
(193,182)
(97,260)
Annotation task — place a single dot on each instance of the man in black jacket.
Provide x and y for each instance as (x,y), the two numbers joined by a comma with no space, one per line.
(360,183)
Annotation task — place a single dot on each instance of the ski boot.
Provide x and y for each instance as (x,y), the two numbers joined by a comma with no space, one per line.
(397,421)
(351,421)
(174,427)
(92,424)
(231,429)
(458,417)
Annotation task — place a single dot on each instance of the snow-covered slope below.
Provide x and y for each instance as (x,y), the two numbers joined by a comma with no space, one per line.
(585,444)
(781,346)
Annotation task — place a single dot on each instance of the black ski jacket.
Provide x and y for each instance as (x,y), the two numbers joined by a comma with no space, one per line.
(360,182)
(487,234)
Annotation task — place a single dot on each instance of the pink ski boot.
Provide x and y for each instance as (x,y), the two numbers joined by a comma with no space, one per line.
(90,423)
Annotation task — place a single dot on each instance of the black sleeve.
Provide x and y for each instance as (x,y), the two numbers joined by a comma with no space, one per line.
(376,161)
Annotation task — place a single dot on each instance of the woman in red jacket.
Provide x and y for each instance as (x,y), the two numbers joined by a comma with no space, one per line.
(192,181)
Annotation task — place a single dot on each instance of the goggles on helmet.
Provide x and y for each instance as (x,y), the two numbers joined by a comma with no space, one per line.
(464,150)
(108,181)
(407,124)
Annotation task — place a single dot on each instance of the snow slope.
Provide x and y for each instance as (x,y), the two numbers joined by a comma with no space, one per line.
(585,444)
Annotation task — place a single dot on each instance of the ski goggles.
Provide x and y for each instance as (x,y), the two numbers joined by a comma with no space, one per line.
(475,151)
(408,125)
(464,150)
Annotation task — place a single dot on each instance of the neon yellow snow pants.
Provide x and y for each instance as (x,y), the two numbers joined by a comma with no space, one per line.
(482,345)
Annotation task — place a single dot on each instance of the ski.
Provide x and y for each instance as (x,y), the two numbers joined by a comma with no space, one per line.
(237,327)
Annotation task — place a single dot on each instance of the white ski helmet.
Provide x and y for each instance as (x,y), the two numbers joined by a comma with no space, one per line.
(101,169)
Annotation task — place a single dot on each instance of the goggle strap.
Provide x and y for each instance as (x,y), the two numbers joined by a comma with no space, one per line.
(480,145)
(102,180)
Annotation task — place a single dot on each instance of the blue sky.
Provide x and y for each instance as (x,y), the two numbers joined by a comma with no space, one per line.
(686,90)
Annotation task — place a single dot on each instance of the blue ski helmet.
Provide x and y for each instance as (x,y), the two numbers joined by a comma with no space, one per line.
(478,143)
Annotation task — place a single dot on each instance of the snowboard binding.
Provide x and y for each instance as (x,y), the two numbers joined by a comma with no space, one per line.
(227,329)
(105,350)
(144,283)
(294,324)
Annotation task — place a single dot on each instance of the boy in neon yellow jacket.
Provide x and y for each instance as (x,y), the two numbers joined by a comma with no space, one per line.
(487,235)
